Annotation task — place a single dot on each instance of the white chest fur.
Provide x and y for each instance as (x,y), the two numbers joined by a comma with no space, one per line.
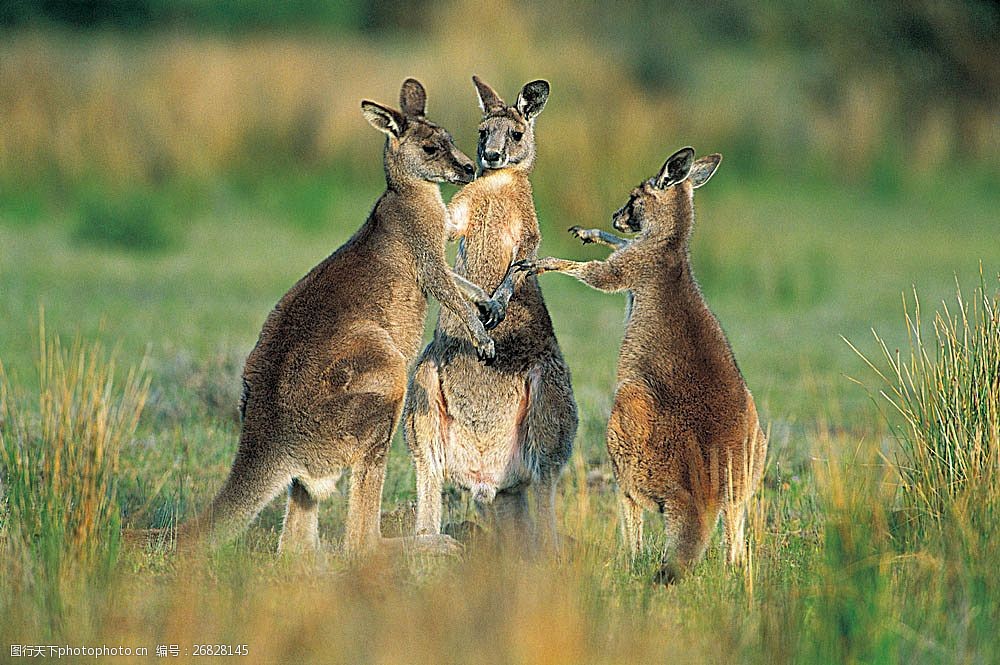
(475,194)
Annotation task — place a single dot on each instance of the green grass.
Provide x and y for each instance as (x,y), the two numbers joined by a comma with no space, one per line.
(946,391)
(60,459)
(835,575)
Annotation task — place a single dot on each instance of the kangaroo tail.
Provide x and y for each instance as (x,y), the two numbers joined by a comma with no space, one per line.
(252,483)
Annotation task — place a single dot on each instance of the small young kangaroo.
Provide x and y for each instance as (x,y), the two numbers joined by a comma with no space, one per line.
(496,429)
(683,436)
(323,388)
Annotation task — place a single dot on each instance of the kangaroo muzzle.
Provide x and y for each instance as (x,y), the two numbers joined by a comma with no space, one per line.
(493,154)
(464,171)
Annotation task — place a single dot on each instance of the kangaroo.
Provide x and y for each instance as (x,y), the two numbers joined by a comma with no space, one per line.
(495,430)
(683,436)
(323,388)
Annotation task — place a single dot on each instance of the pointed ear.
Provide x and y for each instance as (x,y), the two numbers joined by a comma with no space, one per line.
(676,168)
(488,100)
(383,118)
(413,98)
(531,100)
(703,168)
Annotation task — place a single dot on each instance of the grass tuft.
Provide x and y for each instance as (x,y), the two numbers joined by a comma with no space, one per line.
(947,391)
(59,455)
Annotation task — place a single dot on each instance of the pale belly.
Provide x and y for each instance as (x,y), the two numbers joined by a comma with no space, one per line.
(486,462)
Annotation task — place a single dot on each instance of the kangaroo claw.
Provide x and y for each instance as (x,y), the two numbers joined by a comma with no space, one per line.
(491,313)
(525,265)
(581,234)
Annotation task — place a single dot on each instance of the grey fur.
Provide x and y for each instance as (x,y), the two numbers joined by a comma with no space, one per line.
(324,386)
(495,430)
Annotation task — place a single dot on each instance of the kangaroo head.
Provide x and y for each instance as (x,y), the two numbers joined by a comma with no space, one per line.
(416,148)
(507,133)
(663,204)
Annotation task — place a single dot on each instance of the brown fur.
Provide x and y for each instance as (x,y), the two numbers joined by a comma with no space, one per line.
(499,429)
(683,436)
(323,388)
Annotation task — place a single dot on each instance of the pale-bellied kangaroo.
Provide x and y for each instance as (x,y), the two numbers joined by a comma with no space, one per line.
(495,429)
(323,388)
(683,436)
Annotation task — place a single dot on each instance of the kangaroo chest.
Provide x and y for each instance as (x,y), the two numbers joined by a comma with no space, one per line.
(494,239)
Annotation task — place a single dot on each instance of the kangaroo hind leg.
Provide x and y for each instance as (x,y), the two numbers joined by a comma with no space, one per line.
(545,508)
(547,429)
(734,520)
(300,530)
(631,516)
(514,524)
(425,420)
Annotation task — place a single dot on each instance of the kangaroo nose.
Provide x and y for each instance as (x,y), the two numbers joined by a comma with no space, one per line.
(469,169)
(491,155)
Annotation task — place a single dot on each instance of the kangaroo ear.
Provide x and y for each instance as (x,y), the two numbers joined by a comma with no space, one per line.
(704,168)
(676,168)
(383,118)
(413,98)
(531,100)
(488,100)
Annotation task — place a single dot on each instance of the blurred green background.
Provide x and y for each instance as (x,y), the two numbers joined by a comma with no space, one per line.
(169,169)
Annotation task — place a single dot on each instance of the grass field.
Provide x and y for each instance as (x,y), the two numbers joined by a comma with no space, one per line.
(169,168)
(836,574)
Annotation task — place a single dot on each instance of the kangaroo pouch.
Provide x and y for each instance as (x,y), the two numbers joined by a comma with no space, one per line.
(484,429)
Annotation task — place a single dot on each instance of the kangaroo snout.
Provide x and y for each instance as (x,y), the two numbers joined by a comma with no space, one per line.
(625,220)
(464,172)
(494,160)
(469,169)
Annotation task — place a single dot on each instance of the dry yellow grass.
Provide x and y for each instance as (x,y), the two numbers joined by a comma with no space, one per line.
(59,460)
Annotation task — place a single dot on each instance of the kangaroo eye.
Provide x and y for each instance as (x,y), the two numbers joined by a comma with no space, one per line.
(516,135)
(430,149)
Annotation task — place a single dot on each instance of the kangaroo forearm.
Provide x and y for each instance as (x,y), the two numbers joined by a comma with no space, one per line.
(444,289)
(609,239)
(470,290)
(514,278)
(599,237)
(511,282)
(437,280)
(601,275)
(451,297)
(503,293)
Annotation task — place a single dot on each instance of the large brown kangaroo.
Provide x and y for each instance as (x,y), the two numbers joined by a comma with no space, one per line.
(501,428)
(683,436)
(323,388)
